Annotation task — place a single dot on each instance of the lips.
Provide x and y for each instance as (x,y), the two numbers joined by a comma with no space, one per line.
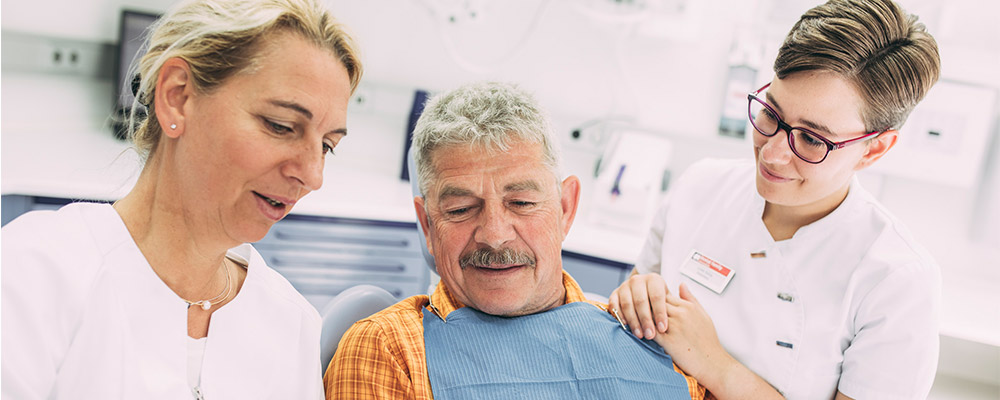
(771,176)
(273,207)
(498,271)
(498,267)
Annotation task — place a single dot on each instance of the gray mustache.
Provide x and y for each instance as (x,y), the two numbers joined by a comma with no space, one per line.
(486,257)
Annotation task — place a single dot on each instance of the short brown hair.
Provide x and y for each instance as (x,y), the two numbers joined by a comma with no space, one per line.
(884,52)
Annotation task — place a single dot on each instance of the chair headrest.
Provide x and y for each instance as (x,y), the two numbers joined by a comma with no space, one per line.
(415,188)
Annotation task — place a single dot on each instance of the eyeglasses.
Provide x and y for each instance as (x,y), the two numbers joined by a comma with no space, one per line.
(810,146)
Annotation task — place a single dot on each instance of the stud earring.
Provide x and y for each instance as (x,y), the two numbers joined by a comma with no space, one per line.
(173,126)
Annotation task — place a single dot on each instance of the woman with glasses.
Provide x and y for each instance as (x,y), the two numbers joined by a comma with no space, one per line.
(792,280)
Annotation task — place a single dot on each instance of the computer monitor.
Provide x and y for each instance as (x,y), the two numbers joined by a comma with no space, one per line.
(131,37)
(419,100)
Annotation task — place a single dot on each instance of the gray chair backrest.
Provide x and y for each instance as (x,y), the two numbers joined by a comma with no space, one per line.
(348,307)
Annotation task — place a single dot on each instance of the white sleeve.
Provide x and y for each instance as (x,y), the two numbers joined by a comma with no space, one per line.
(895,351)
(41,302)
(651,253)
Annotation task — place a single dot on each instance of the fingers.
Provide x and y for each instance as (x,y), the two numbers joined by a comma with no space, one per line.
(648,293)
(643,310)
(633,305)
(686,294)
(626,308)
(641,302)
(643,325)
(657,290)
(674,300)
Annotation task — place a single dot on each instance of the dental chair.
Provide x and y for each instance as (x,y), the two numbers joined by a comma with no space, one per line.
(350,306)
(415,189)
(361,301)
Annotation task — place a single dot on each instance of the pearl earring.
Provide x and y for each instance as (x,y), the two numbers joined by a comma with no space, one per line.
(173,126)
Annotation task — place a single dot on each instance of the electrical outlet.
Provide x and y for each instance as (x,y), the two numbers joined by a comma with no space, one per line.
(50,55)
(590,136)
(458,12)
(64,59)
(76,58)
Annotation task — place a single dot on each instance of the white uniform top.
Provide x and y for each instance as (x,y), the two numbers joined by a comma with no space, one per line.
(850,302)
(195,355)
(85,317)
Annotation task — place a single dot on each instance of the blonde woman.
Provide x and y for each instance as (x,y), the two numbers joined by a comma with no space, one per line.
(158,296)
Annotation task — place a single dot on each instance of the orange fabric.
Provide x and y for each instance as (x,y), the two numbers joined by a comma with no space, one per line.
(382,356)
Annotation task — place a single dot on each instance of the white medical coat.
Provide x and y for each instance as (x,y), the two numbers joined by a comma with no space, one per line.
(850,302)
(85,317)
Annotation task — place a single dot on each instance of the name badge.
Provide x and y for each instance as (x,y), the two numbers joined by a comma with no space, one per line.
(707,272)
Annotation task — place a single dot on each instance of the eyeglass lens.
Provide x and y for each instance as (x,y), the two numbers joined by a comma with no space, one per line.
(803,143)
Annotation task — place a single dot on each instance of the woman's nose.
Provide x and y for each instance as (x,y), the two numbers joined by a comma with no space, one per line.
(307,169)
(776,149)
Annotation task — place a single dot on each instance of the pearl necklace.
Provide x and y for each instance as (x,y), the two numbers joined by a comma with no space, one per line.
(207,304)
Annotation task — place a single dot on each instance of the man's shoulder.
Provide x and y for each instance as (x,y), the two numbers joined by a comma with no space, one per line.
(382,356)
(402,318)
(391,337)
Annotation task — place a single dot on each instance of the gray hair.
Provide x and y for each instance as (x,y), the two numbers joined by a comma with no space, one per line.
(492,115)
(221,38)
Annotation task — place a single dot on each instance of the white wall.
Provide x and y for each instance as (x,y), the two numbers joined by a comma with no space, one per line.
(95,20)
(674,82)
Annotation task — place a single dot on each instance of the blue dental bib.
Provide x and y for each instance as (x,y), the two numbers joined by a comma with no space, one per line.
(574,351)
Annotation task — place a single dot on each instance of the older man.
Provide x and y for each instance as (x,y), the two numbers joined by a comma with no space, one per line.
(505,321)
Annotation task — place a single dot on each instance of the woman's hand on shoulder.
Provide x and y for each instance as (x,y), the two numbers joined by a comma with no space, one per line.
(691,339)
(694,345)
(641,302)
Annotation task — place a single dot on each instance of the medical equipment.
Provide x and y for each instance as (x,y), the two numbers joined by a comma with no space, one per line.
(630,178)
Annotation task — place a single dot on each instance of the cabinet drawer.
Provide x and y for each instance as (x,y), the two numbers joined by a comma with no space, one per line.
(337,233)
(344,265)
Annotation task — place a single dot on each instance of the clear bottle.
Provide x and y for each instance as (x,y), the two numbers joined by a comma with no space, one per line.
(740,80)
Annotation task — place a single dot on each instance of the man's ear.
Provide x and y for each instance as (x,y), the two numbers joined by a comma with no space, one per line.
(173,91)
(425,225)
(876,148)
(570,200)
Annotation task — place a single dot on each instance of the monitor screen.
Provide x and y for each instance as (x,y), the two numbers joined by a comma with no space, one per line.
(131,37)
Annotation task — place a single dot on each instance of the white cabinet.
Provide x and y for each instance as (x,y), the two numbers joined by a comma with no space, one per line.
(323,256)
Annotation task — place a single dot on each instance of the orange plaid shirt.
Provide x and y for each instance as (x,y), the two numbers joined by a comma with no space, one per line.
(382,356)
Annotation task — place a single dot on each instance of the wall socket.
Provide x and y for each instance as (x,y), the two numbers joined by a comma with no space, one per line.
(594,135)
(458,13)
(50,55)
